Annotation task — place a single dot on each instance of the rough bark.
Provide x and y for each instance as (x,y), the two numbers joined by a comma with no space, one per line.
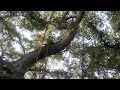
(20,66)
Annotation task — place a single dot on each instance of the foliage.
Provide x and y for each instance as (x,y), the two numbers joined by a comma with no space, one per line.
(86,56)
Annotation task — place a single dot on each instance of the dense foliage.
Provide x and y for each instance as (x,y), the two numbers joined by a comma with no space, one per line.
(41,44)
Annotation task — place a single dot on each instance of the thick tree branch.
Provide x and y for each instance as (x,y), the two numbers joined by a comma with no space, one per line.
(20,66)
(64,15)
(5,69)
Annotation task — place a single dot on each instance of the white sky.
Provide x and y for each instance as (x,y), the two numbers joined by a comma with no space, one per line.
(25,33)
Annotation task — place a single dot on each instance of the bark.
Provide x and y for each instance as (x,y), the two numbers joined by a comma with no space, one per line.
(20,66)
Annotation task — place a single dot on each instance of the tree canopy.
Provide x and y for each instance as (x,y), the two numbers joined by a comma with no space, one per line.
(59,44)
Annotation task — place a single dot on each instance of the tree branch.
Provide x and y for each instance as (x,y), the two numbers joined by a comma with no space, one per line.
(20,66)
(101,35)
(64,15)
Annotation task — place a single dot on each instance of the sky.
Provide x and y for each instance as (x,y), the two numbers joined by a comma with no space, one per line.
(25,33)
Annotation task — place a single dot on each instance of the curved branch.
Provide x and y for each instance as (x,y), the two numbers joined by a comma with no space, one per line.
(20,66)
